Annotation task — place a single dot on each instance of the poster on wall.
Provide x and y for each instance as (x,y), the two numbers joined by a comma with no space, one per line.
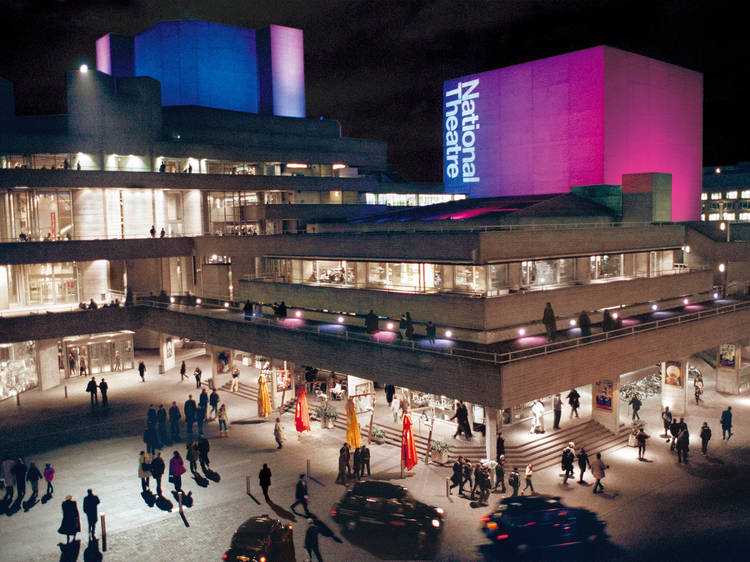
(170,348)
(673,373)
(283,379)
(364,393)
(727,352)
(604,395)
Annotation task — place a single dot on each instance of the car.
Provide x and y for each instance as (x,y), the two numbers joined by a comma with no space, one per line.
(379,507)
(261,539)
(530,523)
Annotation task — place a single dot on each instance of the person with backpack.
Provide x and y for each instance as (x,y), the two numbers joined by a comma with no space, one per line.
(514,481)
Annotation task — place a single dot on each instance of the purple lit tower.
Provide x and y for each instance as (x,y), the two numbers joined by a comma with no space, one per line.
(214,65)
(583,118)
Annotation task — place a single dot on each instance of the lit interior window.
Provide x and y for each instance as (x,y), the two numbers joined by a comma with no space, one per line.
(713,216)
(729,216)
(745,216)
(745,194)
(704,196)
(731,195)
(715,196)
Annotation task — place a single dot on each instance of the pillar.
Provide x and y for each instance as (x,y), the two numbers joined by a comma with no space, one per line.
(48,367)
(490,434)
(166,353)
(219,379)
(674,385)
(94,280)
(605,404)
(728,363)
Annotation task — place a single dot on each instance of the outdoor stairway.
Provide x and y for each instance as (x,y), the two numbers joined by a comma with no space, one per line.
(250,392)
(547,450)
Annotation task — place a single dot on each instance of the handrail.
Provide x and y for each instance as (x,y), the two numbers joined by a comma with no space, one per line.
(476,355)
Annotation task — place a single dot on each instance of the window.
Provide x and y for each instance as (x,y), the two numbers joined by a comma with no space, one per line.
(745,216)
(728,216)
(713,216)
(731,195)
(745,194)
(715,196)
(704,196)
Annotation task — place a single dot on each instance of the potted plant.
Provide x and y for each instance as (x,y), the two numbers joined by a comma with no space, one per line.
(327,415)
(378,435)
(439,451)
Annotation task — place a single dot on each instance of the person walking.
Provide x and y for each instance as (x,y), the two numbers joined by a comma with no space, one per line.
(726,424)
(191,454)
(183,369)
(467,474)
(431,332)
(33,476)
(461,415)
(103,387)
(176,470)
(574,402)
(357,461)
(189,410)
(705,437)
(157,471)
(395,408)
(598,470)
(364,460)
(557,409)
(683,444)
(636,403)
(457,476)
(264,476)
(300,495)
(500,474)
(568,458)
(698,389)
(223,421)
(203,448)
(91,388)
(311,540)
(49,475)
(213,402)
(278,433)
(71,521)
(174,421)
(584,323)
(152,231)
(500,445)
(200,417)
(197,374)
(142,371)
(203,400)
(674,431)
(90,508)
(409,330)
(514,480)
(640,438)
(144,471)
(83,370)
(529,473)
(371,322)
(666,418)
(344,469)
(8,478)
(19,473)
(583,461)
(161,421)
(235,379)
(550,322)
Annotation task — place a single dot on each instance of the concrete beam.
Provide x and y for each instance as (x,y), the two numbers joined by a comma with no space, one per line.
(89,250)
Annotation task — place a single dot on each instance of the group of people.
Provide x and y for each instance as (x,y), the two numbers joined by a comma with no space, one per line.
(353,464)
(92,388)
(597,466)
(92,304)
(476,476)
(71,521)
(15,472)
(549,319)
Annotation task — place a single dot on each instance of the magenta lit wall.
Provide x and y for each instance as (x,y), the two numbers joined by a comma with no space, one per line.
(583,118)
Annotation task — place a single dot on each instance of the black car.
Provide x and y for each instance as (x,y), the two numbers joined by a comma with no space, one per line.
(528,523)
(379,508)
(261,539)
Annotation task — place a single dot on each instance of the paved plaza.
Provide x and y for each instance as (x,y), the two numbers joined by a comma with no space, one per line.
(655,509)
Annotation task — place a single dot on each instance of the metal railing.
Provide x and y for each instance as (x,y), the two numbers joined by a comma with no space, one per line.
(325,330)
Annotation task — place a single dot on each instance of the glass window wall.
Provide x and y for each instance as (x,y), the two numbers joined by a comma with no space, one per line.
(17,368)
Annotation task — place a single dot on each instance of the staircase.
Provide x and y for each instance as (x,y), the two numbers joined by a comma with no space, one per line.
(250,392)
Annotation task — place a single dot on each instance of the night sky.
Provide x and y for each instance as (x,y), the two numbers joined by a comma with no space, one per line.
(378,66)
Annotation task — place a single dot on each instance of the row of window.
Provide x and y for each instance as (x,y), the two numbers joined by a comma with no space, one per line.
(734,194)
(488,280)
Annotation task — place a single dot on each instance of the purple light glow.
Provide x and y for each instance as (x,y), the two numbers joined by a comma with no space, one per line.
(292,322)
(694,307)
(630,321)
(529,341)
(384,336)
(439,344)
(662,314)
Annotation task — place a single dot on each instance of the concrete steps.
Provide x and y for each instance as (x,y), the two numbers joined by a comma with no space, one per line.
(250,392)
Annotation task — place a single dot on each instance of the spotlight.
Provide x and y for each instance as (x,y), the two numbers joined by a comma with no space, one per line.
(226,305)
(615,315)
(572,322)
(685,301)
(522,332)
(654,307)
(171,299)
(448,334)
(341,319)
(298,313)
(722,267)
(198,301)
(83,69)
(389,325)
(716,295)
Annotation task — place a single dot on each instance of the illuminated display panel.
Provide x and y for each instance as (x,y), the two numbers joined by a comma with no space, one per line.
(583,118)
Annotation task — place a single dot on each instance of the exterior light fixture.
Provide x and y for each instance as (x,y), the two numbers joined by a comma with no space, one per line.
(722,226)
(298,313)
(389,325)
(448,334)
(685,301)
(722,267)
(654,306)
(572,322)
(522,332)
(198,301)
(615,315)
(341,319)
(83,69)
(717,170)
(171,299)
(716,295)
(296,165)
(226,305)
(339,166)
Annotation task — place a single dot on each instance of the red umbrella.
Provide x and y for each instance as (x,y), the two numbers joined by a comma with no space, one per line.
(301,413)
(408,448)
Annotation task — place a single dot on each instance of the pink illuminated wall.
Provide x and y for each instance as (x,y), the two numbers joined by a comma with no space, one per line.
(583,118)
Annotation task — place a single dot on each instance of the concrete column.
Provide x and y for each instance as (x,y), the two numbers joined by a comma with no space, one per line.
(583,270)
(605,407)
(166,353)
(48,367)
(514,275)
(674,385)
(219,379)
(728,364)
(94,280)
(490,439)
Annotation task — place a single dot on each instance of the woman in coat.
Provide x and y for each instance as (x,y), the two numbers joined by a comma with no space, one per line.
(597,469)
(176,470)
(144,470)
(71,522)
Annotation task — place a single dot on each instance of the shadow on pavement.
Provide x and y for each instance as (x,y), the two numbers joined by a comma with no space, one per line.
(31,502)
(69,552)
(149,498)
(281,512)
(164,504)
(211,475)
(92,552)
(389,545)
(202,482)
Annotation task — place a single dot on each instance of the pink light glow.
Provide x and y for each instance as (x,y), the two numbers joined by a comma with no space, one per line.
(630,321)
(384,336)
(694,307)
(531,341)
(292,322)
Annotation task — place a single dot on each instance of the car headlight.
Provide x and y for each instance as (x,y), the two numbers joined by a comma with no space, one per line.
(440,510)
(436,523)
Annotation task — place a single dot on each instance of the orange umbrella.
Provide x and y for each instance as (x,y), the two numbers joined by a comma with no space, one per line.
(408,448)
(301,413)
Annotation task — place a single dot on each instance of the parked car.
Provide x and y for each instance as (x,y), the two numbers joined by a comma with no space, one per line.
(529,523)
(381,508)
(261,539)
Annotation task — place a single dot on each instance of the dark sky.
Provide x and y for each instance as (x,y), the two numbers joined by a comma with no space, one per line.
(378,66)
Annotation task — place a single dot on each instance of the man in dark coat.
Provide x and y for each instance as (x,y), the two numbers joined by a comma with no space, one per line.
(203,448)
(161,420)
(151,416)
(500,473)
(151,439)
(33,476)
(574,401)
(357,456)
(466,478)
(200,418)
(197,374)
(364,460)
(142,371)
(674,430)
(213,400)
(189,409)
(174,421)
(300,494)
(71,522)
(461,416)
(19,471)
(683,444)
(457,477)
(568,458)
(371,322)
(264,476)
(390,391)
(549,321)
(311,540)
(103,387)
(157,471)
(500,446)
(557,409)
(344,468)
(726,423)
(90,503)
(91,389)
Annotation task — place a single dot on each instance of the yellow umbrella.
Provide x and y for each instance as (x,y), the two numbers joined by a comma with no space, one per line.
(352,429)
(264,402)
